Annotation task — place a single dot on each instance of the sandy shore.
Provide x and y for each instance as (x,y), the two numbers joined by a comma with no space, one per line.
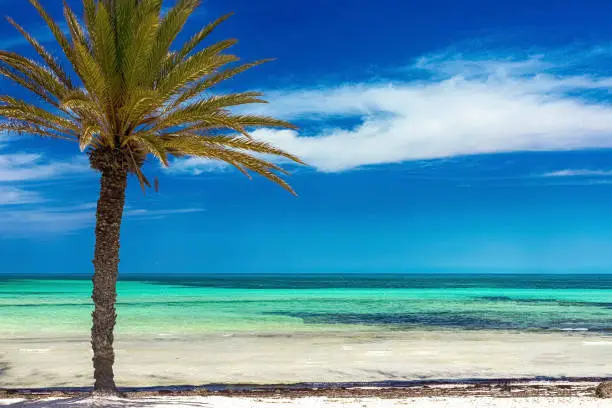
(507,393)
(318,402)
(319,357)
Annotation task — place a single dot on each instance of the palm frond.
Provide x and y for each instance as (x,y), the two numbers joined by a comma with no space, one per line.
(24,128)
(220,120)
(169,28)
(202,110)
(151,144)
(49,59)
(200,147)
(137,63)
(47,84)
(87,137)
(19,110)
(247,144)
(24,81)
(55,29)
(200,36)
(196,88)
(77,32)
(103,39)
(136,93)
(194,68)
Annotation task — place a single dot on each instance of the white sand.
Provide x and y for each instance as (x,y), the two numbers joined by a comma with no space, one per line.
(330,357)
(225,402)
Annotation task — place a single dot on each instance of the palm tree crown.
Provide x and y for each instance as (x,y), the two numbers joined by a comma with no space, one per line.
(136,95)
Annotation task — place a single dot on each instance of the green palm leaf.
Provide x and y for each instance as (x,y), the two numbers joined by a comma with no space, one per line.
(136,95)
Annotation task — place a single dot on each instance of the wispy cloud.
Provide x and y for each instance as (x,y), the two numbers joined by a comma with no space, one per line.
(458,105)
(25,211)
(67,219)
(578,173)
(196,166)
(156,214)
(15,196)
(16,167)
(44,220)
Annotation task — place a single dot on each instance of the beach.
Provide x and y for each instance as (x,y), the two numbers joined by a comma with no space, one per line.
(271,331)
(228,402)
(400,204)
(310,357)
(425,394)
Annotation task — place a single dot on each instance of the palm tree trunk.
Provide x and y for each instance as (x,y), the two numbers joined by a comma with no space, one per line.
(113,183)
(604,390)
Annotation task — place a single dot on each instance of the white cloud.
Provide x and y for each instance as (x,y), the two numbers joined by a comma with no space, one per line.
(14,196)
(155,214)
(67,219)
(45,220)
(15,167)
(465,106)
(196,166)
(578,172)
(19,168)
(450,118)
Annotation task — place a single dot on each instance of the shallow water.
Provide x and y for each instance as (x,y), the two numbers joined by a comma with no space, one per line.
(318,328)
(35,308)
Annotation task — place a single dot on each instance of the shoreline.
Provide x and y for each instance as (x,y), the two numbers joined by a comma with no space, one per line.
(313,402)
(364,357)
(481,387)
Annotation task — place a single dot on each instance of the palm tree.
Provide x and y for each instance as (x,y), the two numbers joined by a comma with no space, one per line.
(132,94)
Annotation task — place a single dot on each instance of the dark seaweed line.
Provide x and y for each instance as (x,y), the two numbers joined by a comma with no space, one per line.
(203,302)
(318,385)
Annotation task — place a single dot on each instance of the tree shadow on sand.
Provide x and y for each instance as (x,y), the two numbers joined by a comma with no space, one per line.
(86,402)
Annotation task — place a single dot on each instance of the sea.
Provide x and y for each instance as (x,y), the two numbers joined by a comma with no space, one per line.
(263,303)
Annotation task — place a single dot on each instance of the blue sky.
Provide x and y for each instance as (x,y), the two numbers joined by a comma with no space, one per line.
(442,136)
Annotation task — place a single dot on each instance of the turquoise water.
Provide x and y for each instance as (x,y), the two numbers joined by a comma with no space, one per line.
(35,308)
